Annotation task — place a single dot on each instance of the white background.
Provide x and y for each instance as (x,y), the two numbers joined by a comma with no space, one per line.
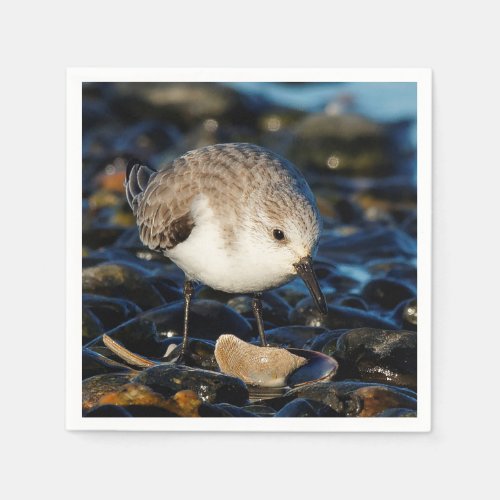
(39,40)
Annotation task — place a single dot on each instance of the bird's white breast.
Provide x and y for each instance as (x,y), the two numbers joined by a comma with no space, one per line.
(208,258)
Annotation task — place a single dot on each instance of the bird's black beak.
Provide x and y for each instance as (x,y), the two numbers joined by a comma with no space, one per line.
(305,271)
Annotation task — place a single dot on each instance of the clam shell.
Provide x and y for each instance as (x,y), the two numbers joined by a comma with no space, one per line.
(260,366)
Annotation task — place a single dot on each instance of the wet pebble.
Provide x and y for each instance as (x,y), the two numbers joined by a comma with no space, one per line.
(211,387)
(405,315)
(108,411)
(365,245)
(91,326)
(110,311)
(138,335)
(351,301)
(94,363)
(297,408)
(260,410)
(338,317)
(123,281)
(200,353)
(101,235)
(346,144)
(376,399)
(323,392)
(208,319)
(397,412)
(293,336)
(325,342)
(387,293)
(274,309)
(387,356)
(94,388)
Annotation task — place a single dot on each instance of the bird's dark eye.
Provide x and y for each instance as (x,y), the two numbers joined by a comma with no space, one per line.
(278,234)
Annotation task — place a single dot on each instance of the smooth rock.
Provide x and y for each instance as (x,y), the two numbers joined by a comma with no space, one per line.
(91,326)
(387,356)
(405,315)
(363,246)
(108,411)
(297,408)
(122,281)
(398,413)
(208,319)
(211,387)
(338,317)
(94,363)
(293,336)
(387,293)
(110,311)
(94,388)
(346,144)
(376,399)
(324,392)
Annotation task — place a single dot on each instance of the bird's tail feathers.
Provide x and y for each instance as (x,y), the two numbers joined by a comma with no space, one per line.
(136,181)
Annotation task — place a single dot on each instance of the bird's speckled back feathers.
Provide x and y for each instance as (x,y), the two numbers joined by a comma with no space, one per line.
(235,175)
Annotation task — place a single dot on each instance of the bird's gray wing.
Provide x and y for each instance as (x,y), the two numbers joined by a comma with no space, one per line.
(163,214)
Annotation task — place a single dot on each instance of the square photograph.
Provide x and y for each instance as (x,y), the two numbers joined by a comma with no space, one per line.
(249,255)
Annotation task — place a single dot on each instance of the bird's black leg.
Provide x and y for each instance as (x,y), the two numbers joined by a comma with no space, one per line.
(257,311)
(188,294)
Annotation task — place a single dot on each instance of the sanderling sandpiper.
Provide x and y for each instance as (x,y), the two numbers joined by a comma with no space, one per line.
(236,217)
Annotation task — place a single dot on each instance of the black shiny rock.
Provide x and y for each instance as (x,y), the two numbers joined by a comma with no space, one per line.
(110,311)
(208,319)
(211,387)
(387,293)
(376,355)
(338,317)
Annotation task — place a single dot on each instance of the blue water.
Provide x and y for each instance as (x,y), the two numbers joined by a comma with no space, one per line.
(384,102)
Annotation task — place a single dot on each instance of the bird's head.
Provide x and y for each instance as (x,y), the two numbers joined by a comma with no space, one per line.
(287,228)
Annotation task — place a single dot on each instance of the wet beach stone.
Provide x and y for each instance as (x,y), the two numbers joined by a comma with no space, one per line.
(91,326)
(396,269)
(368,244)
(302,407)
(211,387)
(347,144)
(297,408)
(397,412)
(323,392)
(260,410)
(405,315)
(200,353)
(110,311)
(224,410)
(112,411)
(95,387)
(379,355)
(293,336)
(353,398)
(275,310)
(94,363)
(352,301)
(324,342)
(122,281)
(387,293)
(370,401)
(101,235)
(138,335)
(338,317)
(185,104)
(208,320)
